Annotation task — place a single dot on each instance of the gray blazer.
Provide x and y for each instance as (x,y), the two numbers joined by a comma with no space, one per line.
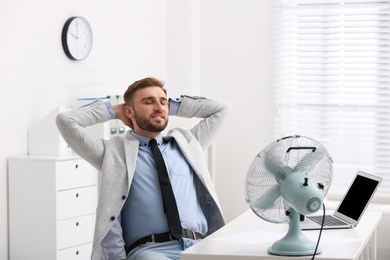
(115,159)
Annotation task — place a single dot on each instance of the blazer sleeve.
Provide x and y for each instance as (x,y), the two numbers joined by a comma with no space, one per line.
(72,126)
(212,113)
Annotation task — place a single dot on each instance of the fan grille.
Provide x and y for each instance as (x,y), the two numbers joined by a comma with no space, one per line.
(274,163)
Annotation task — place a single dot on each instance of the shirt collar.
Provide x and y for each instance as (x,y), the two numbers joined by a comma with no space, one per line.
(144,141)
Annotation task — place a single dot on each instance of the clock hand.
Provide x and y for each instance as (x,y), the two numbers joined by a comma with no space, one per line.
(77,29)
(74,35)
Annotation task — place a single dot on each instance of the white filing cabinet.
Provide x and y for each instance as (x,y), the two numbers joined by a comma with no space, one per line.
(52,206)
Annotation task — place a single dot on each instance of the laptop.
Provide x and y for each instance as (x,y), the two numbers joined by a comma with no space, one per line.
(352,206)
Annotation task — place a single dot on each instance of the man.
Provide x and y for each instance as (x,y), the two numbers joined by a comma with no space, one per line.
(131,218)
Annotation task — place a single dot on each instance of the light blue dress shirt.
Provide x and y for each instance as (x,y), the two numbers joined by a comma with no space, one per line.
(143,212)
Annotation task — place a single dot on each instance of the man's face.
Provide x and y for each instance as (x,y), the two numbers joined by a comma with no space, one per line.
(149,111)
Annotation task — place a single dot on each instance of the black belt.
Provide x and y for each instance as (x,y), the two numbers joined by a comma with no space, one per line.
(164,237)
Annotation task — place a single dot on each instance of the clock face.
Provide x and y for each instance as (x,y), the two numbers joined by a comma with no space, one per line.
(77,38)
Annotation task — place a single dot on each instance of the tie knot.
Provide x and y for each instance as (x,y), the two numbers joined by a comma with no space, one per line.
(152,142)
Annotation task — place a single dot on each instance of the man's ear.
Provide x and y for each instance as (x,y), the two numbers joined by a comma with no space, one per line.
(128,111)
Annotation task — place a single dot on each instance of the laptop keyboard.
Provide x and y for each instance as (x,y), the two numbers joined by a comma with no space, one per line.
(329,220)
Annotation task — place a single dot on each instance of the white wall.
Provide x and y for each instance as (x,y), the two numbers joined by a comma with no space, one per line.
(223,49)
(236,61)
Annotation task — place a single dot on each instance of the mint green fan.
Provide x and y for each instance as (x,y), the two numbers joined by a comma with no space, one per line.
(287,179)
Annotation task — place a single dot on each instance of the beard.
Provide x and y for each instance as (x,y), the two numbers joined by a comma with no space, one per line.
(146,125)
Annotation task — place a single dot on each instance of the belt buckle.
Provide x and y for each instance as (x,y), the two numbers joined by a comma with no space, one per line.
(170,236)
(153,239)
(194,235)
(190,234)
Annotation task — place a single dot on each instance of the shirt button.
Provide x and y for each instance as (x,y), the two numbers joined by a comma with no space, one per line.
(124,197)
(112,218)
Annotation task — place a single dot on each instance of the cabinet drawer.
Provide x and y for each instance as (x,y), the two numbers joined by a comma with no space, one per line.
(76,202)
(75,231)
(82,252)
(74,174)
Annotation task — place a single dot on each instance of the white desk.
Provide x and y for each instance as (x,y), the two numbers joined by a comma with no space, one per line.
(248,237)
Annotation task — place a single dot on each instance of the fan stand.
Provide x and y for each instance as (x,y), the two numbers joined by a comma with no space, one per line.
(294,243)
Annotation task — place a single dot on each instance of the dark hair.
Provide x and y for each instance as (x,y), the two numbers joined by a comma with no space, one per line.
(140,84)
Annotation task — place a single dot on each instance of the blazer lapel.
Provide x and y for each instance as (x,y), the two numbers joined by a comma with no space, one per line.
(131,153)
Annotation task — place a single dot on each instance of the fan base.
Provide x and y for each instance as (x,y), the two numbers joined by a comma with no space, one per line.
(294,243)
(296,247)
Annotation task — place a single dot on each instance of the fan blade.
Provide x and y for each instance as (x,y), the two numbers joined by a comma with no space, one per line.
(267,200)
(279,171)
(308,161)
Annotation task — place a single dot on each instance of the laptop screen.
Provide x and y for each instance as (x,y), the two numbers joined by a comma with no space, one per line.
(359,195)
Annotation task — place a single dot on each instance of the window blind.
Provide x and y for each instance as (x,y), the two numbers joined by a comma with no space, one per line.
(332,83)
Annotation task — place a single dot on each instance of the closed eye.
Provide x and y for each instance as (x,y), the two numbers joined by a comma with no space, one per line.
(150,101)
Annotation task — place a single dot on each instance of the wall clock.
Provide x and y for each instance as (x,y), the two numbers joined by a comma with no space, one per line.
(77,38)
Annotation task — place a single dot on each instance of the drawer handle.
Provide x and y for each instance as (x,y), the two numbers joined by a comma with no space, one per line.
(77,195)
(76,166)
(77,224)
(77,252)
